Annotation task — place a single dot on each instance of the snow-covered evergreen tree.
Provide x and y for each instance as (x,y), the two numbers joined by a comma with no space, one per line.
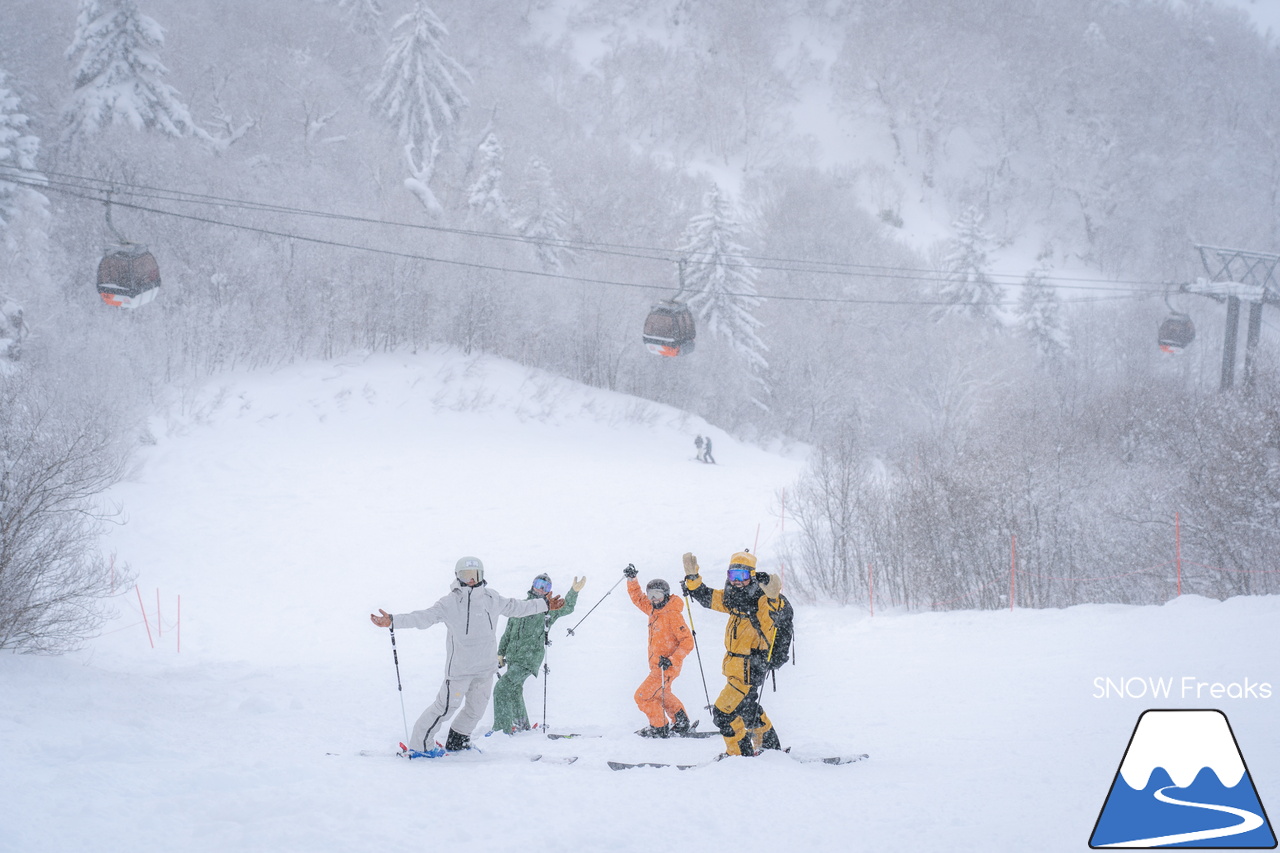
(362,16)
(24,215)
(13,330)
(418,88)
(1039,315)
(485,202)
(719,281)
(119,78)
(967,287)
(18,151)
(543,219)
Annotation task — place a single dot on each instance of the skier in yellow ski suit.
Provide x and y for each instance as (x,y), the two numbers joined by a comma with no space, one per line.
(754,602)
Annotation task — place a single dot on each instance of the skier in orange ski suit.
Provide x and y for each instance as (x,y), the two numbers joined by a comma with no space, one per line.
(669,642)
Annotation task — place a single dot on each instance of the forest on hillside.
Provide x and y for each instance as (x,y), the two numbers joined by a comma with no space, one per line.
(934,240)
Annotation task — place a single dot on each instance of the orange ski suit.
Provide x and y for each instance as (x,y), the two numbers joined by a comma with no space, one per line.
(669,637)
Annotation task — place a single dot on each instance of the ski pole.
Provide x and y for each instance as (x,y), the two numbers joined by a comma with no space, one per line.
(663,688)
(601,601)
(688,605)
(396,657)
(546,670)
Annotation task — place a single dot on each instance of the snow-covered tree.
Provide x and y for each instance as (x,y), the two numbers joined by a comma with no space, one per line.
(1039,315)
(485,201)
(17,154)
(24,216)
(119,78)
(420,174)
(718,279)
(418,88)
(542,217)
(361,16)
(59,450)
(13,330)
(967,287)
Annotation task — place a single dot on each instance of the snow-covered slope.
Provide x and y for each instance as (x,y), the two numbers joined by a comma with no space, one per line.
(284,507)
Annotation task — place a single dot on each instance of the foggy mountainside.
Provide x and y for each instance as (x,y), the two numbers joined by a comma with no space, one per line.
(932,240)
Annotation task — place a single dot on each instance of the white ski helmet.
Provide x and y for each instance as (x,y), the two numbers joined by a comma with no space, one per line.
(469,569)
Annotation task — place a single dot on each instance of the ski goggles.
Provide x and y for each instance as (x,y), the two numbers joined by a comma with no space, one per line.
(738,573)
(541,585)
(469,576)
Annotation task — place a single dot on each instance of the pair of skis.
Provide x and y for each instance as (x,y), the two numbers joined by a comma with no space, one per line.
(466,756)
(474,754)
(831,759)
(470,752)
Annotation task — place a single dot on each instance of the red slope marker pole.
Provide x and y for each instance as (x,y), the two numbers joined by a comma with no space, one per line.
(1013,570)
(144,616)
(871,594)
(1177,547)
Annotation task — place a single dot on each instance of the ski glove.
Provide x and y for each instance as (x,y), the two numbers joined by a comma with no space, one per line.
(555,602)
(502,661)
(665,662)
(579,583)
(630,570)
(690,565)
(773,586)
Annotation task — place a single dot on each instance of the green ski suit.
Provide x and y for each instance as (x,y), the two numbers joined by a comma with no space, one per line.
(523,644)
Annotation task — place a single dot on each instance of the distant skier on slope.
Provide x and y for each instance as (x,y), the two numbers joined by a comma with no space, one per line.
(669,643)
(759,625)
(706,451)
(522,649)
(470,613)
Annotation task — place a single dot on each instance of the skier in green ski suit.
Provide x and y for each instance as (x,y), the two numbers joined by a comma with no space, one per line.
(522,649)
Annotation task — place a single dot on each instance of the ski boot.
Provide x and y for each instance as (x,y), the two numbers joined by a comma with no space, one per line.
(456,742)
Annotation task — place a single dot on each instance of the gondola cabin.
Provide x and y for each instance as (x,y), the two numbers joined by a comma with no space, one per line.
(669,329)
(1176,333)
(128,277)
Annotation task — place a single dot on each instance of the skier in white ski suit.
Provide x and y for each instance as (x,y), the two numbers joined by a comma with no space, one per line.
(470,613)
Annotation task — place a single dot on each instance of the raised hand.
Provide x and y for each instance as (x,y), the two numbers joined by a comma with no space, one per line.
(690,565)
